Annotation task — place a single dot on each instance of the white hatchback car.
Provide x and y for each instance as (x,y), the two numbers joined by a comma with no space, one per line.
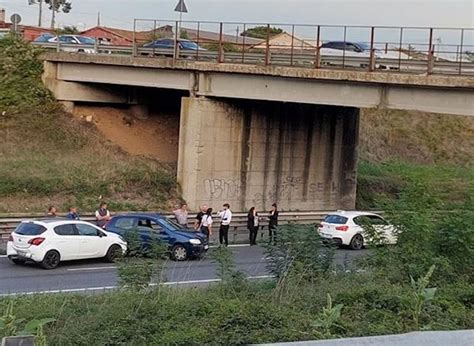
(51,241)
(347,228)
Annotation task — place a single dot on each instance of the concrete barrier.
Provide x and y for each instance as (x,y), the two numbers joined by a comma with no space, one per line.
(432,338)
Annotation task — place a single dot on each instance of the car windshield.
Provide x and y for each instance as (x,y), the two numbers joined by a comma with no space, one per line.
(29,229)
(170,224)
(85,40)
(363,45)
(337,219)
(189,45)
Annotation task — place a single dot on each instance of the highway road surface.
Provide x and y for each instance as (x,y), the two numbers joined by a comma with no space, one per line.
(97,276)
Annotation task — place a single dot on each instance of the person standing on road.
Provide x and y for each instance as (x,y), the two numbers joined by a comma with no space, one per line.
(198,221)
(72,215)
(102,215)
(206,223)
(52,211)
(252,225)
(181,215)
(226,218)
(273,222)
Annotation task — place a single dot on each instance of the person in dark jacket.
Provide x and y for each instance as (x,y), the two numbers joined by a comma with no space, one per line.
(72,215)
(252,225)
(273,222)
(206,223)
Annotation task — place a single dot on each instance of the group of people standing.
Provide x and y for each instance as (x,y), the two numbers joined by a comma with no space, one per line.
(102,215)
(253,222)
(204,221)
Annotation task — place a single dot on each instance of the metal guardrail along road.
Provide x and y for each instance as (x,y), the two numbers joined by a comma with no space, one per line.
(238,226)
(386,49)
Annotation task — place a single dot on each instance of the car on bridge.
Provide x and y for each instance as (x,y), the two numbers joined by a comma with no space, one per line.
(182,243)
(70,43)
(358,50)
(356,229)
(165,47)
(50,241)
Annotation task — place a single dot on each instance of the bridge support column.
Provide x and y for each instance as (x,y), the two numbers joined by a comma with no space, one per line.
(249,153)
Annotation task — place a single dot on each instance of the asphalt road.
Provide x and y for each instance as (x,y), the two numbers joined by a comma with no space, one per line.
(97,276)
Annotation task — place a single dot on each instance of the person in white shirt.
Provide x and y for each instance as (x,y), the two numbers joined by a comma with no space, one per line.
(206,223)
(226,218)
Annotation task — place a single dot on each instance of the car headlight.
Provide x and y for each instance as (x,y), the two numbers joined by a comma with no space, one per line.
(195,241)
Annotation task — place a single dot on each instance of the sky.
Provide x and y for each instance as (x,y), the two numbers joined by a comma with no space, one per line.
(417,13)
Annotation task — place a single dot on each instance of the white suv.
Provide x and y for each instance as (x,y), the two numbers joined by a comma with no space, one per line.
(347,228)
(50,241)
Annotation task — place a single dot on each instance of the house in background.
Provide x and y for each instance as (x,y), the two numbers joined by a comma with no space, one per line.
(211,37)
(284,42)
(5,27)
(29,33)
(122,37)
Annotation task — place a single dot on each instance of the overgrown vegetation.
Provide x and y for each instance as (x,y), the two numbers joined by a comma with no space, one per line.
(399,149)
(142,263)
(48,157)
(422,283)
(262,32)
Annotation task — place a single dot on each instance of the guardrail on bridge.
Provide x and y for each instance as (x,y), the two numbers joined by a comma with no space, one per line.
(366,48)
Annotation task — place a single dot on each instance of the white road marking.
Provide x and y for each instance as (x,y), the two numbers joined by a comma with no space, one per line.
(3,256)
(66,290)
(91,268)
(232,245)
(103,288)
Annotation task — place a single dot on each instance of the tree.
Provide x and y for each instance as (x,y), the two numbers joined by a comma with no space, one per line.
(67,30)
(261,32)
(56,6)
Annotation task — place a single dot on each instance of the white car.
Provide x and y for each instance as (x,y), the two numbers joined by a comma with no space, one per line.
(347,228)
(51,241)
(75,43)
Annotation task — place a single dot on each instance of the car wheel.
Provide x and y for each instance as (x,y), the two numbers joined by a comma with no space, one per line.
(179,253)
(18,261)
(113,253)
(357,242)
(51,260)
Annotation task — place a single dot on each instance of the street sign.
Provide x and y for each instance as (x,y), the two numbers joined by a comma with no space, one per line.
(15,18)
(181,7)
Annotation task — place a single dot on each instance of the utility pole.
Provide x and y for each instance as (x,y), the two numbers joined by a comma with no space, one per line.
(98,19)
(53,17)
(40,13)
(40,9)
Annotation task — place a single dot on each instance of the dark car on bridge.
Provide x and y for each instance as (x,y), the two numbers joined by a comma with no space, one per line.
(168,43)
(347,46)
(165,47)
(182,243)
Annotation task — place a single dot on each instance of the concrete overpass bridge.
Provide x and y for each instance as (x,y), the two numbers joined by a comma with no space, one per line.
(252,135)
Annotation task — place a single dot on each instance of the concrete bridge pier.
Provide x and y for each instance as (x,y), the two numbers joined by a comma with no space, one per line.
(255,153)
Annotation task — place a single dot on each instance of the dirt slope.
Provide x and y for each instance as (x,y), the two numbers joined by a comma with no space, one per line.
(155,137)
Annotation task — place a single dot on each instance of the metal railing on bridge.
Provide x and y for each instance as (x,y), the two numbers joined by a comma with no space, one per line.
(364,48)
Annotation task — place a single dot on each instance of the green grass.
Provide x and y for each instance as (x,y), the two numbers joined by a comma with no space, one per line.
(240,315)
(379,182)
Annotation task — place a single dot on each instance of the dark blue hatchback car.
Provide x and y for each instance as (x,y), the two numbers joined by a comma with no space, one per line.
(182,243)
